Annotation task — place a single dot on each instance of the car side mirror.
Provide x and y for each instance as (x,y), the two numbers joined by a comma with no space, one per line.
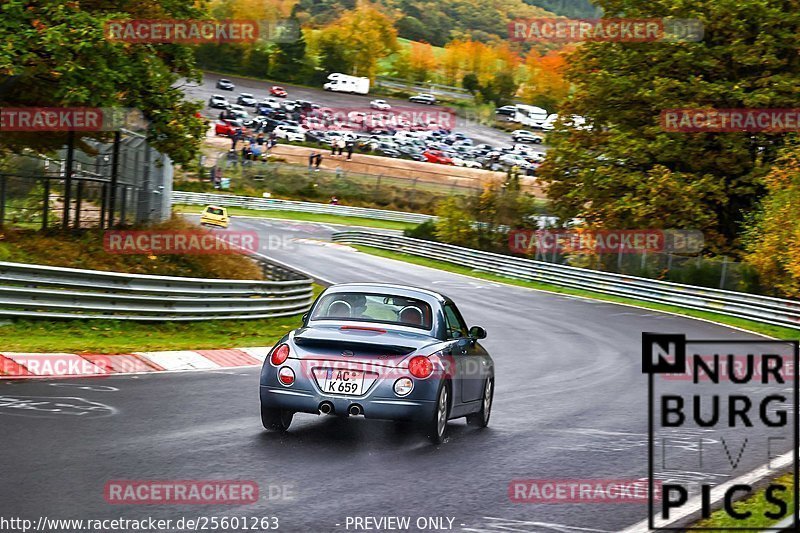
(477,332)
(305,318)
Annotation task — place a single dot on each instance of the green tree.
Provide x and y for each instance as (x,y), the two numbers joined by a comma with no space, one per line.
(500,89)
(59,56)
(627,172)
(454,224)
(470,83)
(288,59)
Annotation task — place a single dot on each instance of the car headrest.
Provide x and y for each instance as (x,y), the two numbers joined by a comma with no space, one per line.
(339,308)
(411,315)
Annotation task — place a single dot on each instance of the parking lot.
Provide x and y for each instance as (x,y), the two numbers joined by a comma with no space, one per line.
(363,124)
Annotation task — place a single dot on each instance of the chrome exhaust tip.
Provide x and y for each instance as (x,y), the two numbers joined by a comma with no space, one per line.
(326,408)
(354,410)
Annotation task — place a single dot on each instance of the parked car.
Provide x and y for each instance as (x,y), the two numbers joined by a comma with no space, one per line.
(461,162)
(246,99)
(388,152)
(290,133)
(423,98)
(238,111)
(516,160)
(218,101)
(227,127)
(526,136)
(437,156)
(214,215)
(381,105)
(278,91)
(225,84)
(384,352)
(506,110)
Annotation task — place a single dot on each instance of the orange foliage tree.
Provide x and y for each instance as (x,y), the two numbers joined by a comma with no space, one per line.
(544,84)
(772,239)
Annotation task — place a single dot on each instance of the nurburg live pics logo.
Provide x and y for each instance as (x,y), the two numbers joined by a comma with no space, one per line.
(738,398)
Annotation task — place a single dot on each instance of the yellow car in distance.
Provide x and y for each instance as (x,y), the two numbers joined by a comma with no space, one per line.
(214,216)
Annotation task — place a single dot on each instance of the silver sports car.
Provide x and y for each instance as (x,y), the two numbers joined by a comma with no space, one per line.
(380,351)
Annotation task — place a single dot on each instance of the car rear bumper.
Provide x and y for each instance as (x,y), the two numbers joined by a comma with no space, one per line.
(382,408)
(210,222)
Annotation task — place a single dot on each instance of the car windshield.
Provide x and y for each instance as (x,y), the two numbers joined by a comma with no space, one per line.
(383,308)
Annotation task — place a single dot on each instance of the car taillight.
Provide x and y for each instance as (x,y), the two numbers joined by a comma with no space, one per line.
(280,354)
(286,375)
(420,367)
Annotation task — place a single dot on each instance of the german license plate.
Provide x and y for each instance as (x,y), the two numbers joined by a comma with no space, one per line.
(343,381)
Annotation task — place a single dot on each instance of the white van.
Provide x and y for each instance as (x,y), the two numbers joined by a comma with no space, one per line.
(530,116)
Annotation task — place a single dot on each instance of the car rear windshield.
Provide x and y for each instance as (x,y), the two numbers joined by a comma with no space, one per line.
(364,307)
(214,210)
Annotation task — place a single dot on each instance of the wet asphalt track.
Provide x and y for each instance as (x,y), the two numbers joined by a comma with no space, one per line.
(570,403)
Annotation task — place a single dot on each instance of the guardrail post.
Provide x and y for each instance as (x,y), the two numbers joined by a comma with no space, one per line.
(724,272)
(123,208)
(45,203)
(112,199)
(78,195)
(103,204)
(68,178)
(2,199)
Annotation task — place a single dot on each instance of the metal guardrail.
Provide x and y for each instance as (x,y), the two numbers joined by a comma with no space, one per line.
(35,291)
(776,311)
(264,204)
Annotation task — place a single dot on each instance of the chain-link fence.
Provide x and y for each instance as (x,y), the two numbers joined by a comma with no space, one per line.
(691,269)
(95,185)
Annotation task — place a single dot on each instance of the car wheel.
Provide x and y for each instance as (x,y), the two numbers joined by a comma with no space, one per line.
(481,418)
(437,427)
(276,419)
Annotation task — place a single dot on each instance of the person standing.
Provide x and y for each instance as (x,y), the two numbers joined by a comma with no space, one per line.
(318,161)
(341,144)
(350,146)
(311,158)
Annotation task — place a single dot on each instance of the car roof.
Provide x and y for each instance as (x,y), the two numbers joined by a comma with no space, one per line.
(383,288)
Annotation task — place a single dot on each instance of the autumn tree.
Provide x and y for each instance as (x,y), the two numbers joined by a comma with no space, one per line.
(772,239)
(56,54)
(627,172)
(422,61)
(545,85)
(356,41)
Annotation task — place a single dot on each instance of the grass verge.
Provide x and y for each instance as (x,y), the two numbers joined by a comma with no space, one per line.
(755,504)
(306,217)
(118,336)
(757,327)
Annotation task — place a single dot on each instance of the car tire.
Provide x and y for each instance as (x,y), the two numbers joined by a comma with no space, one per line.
(481,418)
(436,429)
(276,419)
